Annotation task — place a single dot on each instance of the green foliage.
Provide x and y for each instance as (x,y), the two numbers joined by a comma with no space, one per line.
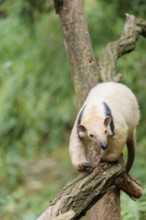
(34,85)
(133,210)
(137,7)
(37,101)
(29,185)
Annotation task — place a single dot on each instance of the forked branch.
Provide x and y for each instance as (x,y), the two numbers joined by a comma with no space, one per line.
(134,27)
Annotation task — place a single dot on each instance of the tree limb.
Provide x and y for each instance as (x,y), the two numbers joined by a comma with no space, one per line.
(133,28)
(78,196)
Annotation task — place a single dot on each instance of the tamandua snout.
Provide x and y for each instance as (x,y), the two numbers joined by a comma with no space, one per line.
(108,117)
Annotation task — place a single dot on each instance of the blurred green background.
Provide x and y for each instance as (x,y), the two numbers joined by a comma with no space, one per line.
(38,106)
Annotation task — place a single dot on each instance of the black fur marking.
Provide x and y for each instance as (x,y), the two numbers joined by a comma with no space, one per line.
(109,113)
(79,122)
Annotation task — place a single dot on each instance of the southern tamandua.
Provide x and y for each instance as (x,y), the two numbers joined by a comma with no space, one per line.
(109,117)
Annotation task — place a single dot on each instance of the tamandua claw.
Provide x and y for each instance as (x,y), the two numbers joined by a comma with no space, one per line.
(84,167)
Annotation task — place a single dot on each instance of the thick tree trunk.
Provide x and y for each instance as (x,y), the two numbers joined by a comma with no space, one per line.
(78,47)
(109,200)
(78,196)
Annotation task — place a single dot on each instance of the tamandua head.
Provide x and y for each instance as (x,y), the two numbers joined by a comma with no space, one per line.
(96,132)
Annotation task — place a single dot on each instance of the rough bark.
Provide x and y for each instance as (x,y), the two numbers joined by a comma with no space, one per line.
(74,199)
(109,200)
(78,47)
(75,195)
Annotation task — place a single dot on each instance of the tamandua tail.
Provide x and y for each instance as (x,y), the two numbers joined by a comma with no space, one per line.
(131,152)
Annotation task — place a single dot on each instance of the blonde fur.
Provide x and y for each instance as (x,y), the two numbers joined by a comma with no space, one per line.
(95,125)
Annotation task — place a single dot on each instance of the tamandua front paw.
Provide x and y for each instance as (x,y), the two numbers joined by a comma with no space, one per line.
(81,167)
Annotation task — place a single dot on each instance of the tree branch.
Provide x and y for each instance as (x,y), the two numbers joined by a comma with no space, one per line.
(78,196)
(130,186)
(133,28)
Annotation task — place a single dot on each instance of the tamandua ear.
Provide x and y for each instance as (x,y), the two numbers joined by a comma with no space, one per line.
(82,128)
(82,131)
(107,121)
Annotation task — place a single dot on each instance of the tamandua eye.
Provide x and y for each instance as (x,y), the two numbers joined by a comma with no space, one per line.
(91,135)
(105,131)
